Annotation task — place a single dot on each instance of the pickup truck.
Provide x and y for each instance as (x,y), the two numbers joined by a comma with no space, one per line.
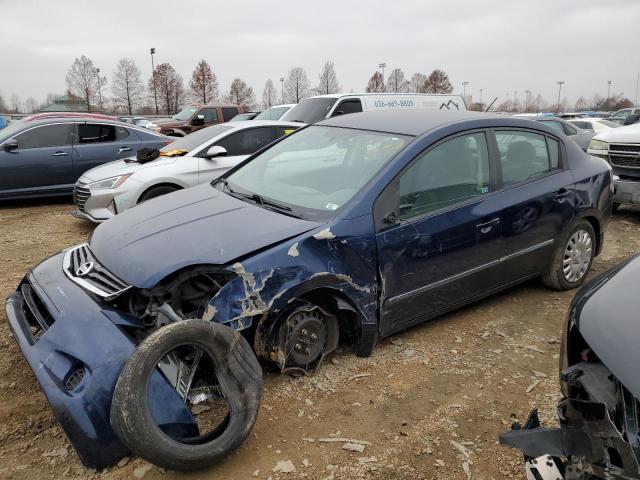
(621,148)
(195,117)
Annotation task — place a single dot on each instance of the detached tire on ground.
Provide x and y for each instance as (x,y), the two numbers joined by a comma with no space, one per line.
(154,192)
(240,378)
(572,258)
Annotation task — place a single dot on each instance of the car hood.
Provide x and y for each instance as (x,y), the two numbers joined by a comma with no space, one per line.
(199,225)
(626,134)
(607,318)
(120,167)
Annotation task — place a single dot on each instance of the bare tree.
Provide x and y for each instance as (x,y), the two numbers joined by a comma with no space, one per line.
(376,83)
(328,80)
(296,85)
(15,103)
(581,104)
(417,82)
(269,94)
(396,82)
(127,88)
(83,81)
(240,94)
(31,105)
(437,82)
(3,104)
(170,87)
(203,86)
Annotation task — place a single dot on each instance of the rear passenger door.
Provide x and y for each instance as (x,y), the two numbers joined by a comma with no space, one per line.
(98,143)
(539,195)
(239,146)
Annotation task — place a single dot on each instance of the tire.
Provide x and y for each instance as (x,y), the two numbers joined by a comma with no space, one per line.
(154,192)
(240,378)
(555,277)
(615,207)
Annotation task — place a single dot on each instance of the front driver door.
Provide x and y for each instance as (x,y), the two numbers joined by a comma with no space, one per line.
(443,243)
(42,160)
(239,146)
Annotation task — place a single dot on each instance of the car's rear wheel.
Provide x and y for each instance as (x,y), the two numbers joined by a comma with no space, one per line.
(572,258)
(154,192)
(216,375)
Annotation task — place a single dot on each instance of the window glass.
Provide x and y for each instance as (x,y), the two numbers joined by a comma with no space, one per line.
(449,173)
(622,113)
(309,110)
(554,153)
(555,125)
(210,115)
(45,136)
(348,106)
(121,133)
(609,123)
(285,130)
(95,133)
(583,125)
(247,141)
(569,130)
(229,112)
(273,113)
(316,171)
(524,155)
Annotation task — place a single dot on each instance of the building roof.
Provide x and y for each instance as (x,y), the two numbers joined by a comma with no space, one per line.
(66,103)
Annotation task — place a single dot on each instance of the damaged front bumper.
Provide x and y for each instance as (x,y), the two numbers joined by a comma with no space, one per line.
(595,438)
(77,347)
(626,191)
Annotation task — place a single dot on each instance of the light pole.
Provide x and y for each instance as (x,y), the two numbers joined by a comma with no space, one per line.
(608,89)
(637,83)
(282,88)
(99,88)
(560,83)
(527,99)
(153,75)
(480,95)
(464,91)
(382,65)
(515,100)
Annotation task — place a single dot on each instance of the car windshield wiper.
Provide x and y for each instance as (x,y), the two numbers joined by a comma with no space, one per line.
(257,199)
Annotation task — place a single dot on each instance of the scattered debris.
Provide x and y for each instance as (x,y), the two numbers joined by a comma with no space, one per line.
(306,462)
(123,461)
(284,466)
(325,234)
(353,447)
(364,460)
(141,471)
(343,440)
(359,375)
(533,348)
(533,385)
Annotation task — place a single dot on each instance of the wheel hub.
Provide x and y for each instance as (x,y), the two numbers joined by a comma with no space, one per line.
(306,338)
(577,256)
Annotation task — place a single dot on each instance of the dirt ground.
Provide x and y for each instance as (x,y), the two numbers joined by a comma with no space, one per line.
(430,401)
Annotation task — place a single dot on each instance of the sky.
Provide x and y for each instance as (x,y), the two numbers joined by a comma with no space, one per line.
(500,46)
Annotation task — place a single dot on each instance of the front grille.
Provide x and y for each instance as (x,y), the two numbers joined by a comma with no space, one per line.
(624,148)
(35,311)
(80,196)
(82,268)
(624,161)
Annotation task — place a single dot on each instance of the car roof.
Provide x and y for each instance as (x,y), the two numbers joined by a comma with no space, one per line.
(368,94)
(406,122)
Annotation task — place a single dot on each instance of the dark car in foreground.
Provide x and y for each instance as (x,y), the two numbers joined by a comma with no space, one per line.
(599,433)
(348,230)
(45,156)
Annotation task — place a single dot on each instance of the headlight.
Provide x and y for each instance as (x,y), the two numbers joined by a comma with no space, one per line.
(598,145)
(109,183)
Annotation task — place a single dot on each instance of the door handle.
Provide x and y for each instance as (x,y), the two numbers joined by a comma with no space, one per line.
(562,193)
(124,149)
(486,227)
(60,154)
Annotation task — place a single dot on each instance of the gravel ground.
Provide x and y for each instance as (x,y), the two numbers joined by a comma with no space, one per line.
(430,401)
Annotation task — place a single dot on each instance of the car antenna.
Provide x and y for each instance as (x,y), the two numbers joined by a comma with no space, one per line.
(491,104)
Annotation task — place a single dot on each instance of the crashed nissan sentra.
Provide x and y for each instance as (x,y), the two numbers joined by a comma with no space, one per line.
(599,433)
(347,230)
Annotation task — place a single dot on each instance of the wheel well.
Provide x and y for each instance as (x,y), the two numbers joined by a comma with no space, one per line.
(165,184)
(596,228)
(340,305)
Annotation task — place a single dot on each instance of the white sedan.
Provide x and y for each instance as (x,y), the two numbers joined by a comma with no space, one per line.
(202,156)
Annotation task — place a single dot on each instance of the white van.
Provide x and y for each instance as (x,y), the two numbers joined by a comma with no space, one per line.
(317,108)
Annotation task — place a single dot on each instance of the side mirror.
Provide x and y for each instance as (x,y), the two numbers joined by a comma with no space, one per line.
(9,145)
(198,120)
(216,151)
(337,113)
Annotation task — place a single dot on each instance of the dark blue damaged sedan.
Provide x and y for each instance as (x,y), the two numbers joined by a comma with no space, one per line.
(348,230)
